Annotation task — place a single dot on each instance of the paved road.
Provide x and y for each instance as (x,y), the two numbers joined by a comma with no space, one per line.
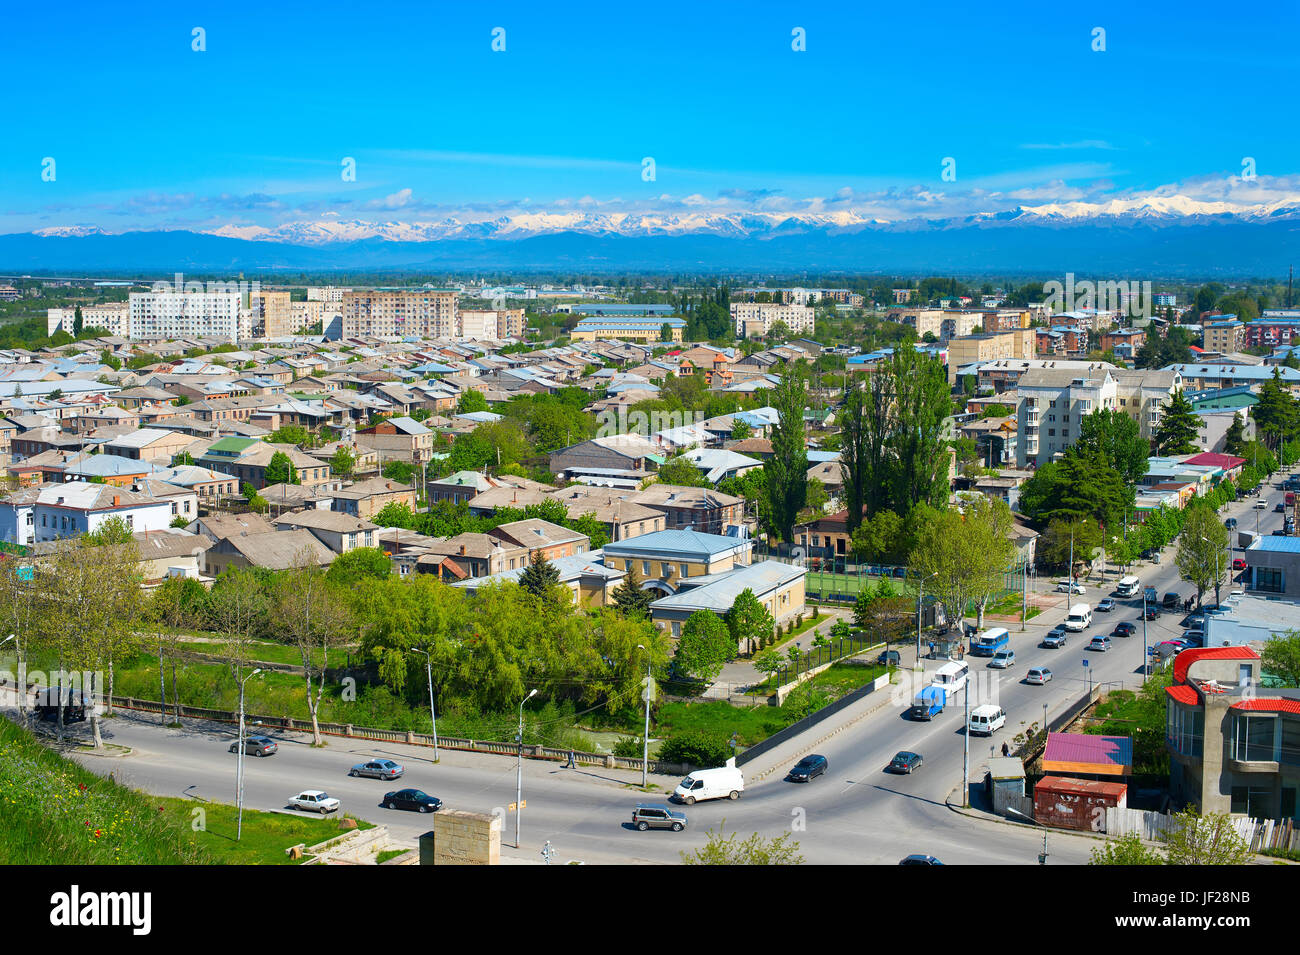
(855,814)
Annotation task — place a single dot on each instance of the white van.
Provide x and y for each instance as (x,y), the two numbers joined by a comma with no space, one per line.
(986,720)
(1128,587)
(726,781)
(951,676)
(1079,618)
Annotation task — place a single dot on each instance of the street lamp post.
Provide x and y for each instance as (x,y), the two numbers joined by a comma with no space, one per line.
(920,589)
(239,762)
(965,754)
(1146,653)
(1042,856)
(433,716)
(645,740)
(519,772)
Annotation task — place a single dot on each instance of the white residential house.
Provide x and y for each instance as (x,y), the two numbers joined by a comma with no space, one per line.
(51,511)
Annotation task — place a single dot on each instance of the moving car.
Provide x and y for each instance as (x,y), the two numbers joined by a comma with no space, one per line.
(1056,637)
(314,800)
(1153,611)
(654,815)
(1003,660)
(256,746)
(1124,628)
(378,769)
(807,768)
(986,720)
(1106,605)
(929,702)
(1261,504)
(1238,563)
(414,799)
(723,782)
(1038,675)
(904,762)
(1065,587)
(1099,643)
(918,859)
(1279,508)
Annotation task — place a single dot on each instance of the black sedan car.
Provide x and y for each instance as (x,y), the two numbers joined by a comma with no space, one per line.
(1124,628)
(905,762)
(807,768)
(413,799)
(1153,611)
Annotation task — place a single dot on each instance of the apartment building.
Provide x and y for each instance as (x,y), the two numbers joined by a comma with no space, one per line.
(1015,343)
(388,313)
(923,320)
(113,317)
(756,319)
(490,324)
(628,328)
(1224,335)
(270,314)
(326,293)
(1054,401)
(173,314)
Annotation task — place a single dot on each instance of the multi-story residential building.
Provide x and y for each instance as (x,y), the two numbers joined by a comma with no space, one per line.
(326,293)
(960,322)
(399,439)
(387,313)
(113,317)
(665,558)
(991,346)
(1224,335)
(248,458)
(1054,401)
(694,508)
(1165,299)
(924,320)
(177,314)
(490,324)
(1124,341)
(271,313)
(756,319)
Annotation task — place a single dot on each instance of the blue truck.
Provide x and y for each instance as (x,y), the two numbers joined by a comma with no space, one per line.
(929,703)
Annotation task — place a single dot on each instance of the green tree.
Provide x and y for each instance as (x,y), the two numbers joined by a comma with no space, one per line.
(880,539)
(342,462)
(1235,438)
(112,531)
(1281,657)
(1178,428)
(394,514)
(630,599)
(347,570)
(1203,557)
(749,621)
(694,748)
(1276,414)
(705,646)
(540,576)
(787,468)
(470,401)
(723,849)
(922,403)
(1115,439)
(280,470)
(680,471)
(1205,840)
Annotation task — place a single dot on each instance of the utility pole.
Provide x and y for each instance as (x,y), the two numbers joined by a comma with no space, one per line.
(645,740)
(1024,594)
(965,754)
(1146,659)
(433,716)
(239,762)
(519,772)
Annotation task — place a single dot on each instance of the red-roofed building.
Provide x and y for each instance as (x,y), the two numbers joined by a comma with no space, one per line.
(1231,465)
(1086,753)
(1231,749)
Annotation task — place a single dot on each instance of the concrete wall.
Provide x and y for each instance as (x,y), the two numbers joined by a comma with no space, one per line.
(462,838)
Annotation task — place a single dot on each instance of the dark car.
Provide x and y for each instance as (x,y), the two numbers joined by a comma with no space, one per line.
(657,816)
(1149,554)
(889,658)
(256,746)
(1124,628)
(1280,508)
(905,762)
(1153,611)
(807,768)
(413,799)
(918,859)
(1170,600)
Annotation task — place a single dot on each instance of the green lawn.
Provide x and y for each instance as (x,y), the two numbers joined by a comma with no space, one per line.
(265,834)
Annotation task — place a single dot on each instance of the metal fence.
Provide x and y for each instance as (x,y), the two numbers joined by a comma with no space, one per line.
(820,656)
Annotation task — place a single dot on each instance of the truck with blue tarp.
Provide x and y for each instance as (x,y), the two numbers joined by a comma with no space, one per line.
(929,702)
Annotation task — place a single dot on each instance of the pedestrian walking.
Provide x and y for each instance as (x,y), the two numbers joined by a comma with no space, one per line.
(573,763)
(1006,750)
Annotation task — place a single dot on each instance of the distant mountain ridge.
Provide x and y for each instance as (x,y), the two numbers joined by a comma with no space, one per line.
(1173,235)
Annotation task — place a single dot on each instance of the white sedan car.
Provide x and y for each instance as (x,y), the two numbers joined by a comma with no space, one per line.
(314,800)
(1065,587)
(1261,504)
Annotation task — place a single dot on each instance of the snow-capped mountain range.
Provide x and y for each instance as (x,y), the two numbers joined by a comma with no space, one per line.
(1163,235)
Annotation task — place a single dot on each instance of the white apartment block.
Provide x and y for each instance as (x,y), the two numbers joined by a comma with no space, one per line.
(175,314)
(326,293)
(489,324)
(113,317)
(756,319)
(1054,401)
(419,312)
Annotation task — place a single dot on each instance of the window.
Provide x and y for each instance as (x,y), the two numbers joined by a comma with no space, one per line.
(645,567)
(686,570)
(1270,580)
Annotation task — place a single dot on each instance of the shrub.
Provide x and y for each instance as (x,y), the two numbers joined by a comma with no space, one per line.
(628,746)
(696,748)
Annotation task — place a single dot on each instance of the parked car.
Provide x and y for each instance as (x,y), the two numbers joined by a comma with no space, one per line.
(807,768)
(314,800)
(1099,643)
(1178,643)
(256,746)
(1151,554)
(1170,600)
(1065,587)
(1038,676)
(378,769)
(1280,507)
(655,815)
(1238,563)
(1106,604)
(918,859)
(1056,637)
(1003,660)
(1124,628)
(889,658)
(905,762)
(414,799)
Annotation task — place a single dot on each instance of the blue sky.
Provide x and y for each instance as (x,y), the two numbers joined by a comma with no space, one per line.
(147,133)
